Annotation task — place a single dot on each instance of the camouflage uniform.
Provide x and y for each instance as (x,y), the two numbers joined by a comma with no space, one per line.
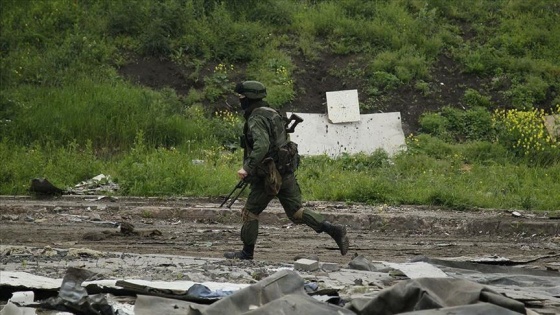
(260,144)
(264,133)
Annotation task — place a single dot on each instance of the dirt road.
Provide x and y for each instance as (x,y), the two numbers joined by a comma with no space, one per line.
(199,228)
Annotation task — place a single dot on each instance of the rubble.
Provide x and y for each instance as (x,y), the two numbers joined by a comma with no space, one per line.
(422,284)
(398,247)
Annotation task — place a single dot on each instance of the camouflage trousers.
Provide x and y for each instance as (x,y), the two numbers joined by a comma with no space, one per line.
(289,196)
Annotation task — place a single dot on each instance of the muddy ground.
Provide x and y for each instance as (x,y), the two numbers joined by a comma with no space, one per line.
(199,228)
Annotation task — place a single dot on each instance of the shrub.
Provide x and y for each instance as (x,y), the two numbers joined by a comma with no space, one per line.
(218,84)
(452,124)
(524,94)
(524,134)
(435,124)
(473,98)
(384,80)
(485,152)
(275,71)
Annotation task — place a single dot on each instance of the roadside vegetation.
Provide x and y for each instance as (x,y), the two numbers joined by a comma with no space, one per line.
(68,115)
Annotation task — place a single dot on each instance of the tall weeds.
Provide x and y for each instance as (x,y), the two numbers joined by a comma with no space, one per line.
(66,114)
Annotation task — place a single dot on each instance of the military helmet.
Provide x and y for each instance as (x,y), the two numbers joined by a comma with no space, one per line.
(251,89)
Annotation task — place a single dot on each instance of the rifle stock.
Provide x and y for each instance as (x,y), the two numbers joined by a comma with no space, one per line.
(241,185)
(292,122)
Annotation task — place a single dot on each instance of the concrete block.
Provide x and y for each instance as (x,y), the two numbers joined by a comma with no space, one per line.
(306,265)
(330,267)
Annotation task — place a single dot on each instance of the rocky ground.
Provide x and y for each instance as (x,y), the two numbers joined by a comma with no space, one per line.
(135,238)
(199,228)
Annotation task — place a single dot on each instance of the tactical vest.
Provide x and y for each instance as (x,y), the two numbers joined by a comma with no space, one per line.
(277,131)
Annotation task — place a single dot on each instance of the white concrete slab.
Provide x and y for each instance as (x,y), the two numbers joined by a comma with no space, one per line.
(343,106)
(19,297)
(317,136)
(24,279)
(417,270)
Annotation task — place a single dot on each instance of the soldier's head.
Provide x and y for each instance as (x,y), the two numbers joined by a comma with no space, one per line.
(250,91)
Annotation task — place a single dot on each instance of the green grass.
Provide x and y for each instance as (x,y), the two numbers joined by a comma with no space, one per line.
(67,115)
(407,179)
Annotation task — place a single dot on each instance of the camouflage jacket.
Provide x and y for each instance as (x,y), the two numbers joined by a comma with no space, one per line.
(264,133)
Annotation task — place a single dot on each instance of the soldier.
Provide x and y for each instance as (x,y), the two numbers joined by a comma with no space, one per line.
(270,160)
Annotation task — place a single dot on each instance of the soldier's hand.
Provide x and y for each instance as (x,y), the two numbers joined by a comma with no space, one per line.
(242,173)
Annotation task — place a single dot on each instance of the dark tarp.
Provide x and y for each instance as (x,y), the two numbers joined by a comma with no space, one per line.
(280,293)
(473,309)
(284,293)
(430,293)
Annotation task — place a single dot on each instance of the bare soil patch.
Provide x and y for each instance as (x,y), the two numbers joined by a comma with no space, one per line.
(313,78)
(199,228)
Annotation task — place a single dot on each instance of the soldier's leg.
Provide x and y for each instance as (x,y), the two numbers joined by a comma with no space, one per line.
(256,203)
(290,198)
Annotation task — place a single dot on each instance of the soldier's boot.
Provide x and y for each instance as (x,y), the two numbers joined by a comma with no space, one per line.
(338,234)
(245,254)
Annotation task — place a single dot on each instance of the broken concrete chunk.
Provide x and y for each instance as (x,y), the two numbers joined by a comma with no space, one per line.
(19,297)
(48,251)
(306,265)
(10,217)
(83,252)
(330,267)
(360,263)
(306,256)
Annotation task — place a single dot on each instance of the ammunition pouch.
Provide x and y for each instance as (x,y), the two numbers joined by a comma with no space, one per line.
(272,178)
(288,158)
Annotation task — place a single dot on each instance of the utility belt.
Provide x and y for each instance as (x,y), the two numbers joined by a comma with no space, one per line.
(273,168)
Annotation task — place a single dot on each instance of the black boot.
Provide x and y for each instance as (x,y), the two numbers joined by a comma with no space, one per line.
(245,254)
(338,233)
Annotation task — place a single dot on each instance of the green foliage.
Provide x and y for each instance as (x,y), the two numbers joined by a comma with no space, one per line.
(64,166)
(453,124)
(67,115)
(226,128)
(384,81)
(218,84)
(423,87)
(524,134)
(147,171)
(405,64)
(485,153)
(275,72)
(435,173)
(360,162)
(474,99)
(527,92)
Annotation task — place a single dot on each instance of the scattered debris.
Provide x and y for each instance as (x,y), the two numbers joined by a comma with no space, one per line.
(126,228)
(83,252)
(42,187)
(96,186)
(282,292)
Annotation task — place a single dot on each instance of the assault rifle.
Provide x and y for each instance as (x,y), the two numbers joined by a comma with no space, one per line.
(241,185)
(292,122)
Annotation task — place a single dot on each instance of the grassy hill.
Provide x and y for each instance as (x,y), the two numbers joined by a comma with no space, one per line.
(140,89)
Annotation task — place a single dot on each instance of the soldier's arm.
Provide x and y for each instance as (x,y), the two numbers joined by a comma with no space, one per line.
(261,143)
